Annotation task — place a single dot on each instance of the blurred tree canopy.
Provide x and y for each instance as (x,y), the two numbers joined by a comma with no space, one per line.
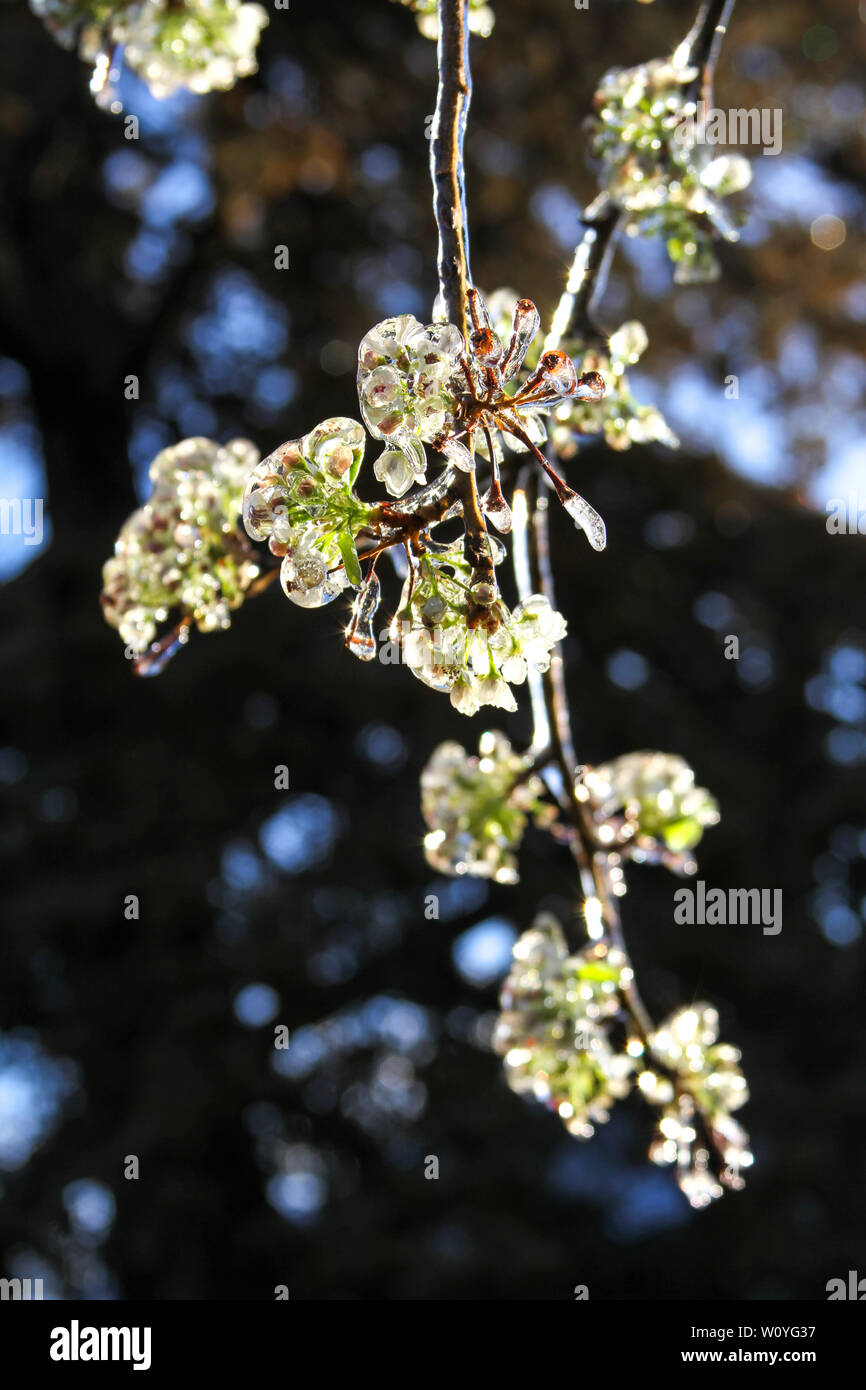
(154,258)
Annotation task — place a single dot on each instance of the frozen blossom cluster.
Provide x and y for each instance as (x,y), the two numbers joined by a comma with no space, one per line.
(615,413)
(647,804)
(568,1040)
(476,665)
(655,166)
(427,396)
(569,1030)
(696,1082)
(183,554)
(477,808)
(201,45)
(408,392)
(508,400)
(301,500)
(558,1030)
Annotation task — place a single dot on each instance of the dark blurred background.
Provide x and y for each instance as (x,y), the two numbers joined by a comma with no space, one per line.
(154,1037)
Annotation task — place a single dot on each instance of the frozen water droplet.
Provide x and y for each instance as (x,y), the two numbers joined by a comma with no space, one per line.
(459,455)
(494,505)
(413,449)
(590,387)
(628,343)
(587,519)
(486,347)
(360,639)
(558,370)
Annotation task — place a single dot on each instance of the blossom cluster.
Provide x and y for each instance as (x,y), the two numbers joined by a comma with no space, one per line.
(418,386)
(202,45)
(183,553)
(655,166)
(477,808)
(557,1029)
(408,393)
(507,400)
(618,416)
(701,1085)
(647,804)
(567,1040)
(301,500)
(476,664)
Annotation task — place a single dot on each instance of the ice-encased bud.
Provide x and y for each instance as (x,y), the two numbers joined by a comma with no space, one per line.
(523,329)
(336,447)
(394,470)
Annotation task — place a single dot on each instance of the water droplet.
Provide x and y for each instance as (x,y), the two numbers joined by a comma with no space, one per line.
(360,638)
(587,519)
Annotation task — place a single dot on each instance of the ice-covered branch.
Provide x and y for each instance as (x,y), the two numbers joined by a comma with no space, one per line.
(587,277)
(446,159)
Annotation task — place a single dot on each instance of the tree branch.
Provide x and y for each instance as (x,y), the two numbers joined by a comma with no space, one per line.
(446,159)
(552,726)
(702,45)
(587,276)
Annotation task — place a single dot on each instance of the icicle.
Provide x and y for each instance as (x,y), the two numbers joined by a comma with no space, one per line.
(586,518)
(478,311)
(494,505)
(360,638)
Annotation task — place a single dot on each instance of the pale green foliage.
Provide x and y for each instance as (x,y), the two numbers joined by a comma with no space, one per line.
(654,166)
(568,1040)
(477,809)
(202,45)
(183,554)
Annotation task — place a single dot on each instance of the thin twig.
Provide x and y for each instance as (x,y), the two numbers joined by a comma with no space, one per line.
(587,277)
(552,727)
(476,544)
(446,159)
(701,47)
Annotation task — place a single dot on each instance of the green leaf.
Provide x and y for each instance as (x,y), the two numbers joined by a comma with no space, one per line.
(682,834)
(350,559)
